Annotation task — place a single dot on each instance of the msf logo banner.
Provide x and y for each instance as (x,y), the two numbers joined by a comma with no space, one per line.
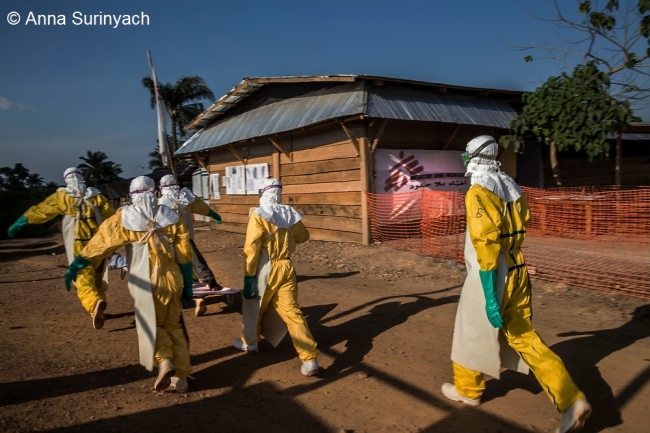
(411,170)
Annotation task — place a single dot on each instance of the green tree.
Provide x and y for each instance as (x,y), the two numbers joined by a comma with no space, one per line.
(571,112)
(613,35)
(98,170)
(182,101)
(156,162)
(34,180)
(14,178)
(20,189)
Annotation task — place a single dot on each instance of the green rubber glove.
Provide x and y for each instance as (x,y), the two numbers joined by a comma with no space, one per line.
(250,287)
(186,270)
(489,282)
(20,222)
(215,215)
(71,274)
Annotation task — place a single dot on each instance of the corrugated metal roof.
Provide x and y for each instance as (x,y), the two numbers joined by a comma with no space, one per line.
(408,103)
(250,85)
(385,102)
(339,101)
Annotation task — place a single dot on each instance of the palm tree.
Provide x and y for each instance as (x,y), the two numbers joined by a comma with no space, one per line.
(97,170)
(15,177)
(155,161)
(182,102)
(34,180)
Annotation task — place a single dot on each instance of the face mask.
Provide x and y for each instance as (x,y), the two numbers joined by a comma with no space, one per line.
(145,202)
(76,184)
(170,191)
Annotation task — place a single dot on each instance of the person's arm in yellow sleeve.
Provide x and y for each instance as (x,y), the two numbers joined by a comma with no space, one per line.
(525,211)
(105,208)
(300,232)
(255,232)
(51,207)
(200,207)
(253,244)
(184,255)
(110,236)
(483,224)
(182,247)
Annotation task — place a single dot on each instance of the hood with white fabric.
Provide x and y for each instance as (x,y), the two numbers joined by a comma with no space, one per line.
(483,168)
(75,185)
(172,195)
(144,214)
(280,215)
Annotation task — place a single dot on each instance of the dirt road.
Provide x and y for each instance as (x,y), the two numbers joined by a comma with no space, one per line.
(383,320)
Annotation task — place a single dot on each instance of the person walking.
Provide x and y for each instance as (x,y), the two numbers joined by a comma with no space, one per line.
(270,305)
(493,328)
(83,209)
(183,201)
(159,257)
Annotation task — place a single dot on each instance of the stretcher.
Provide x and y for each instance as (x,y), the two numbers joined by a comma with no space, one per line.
(202,290)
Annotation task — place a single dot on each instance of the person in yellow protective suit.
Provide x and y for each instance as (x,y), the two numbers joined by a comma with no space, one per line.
(270,307)
(186,203)
(83,209)
(159,258)
(493,327)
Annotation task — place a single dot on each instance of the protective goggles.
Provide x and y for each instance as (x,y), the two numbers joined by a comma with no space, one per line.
(73,173)
(132,193)
(467,156)
(261,191)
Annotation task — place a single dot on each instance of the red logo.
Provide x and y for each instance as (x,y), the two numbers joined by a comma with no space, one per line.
(401,172)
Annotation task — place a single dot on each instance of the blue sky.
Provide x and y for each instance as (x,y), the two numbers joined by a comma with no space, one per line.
(67,89)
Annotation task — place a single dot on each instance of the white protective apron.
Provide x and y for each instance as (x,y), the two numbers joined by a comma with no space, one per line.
(137,256)
(141,277)
(272,326)
(478,345)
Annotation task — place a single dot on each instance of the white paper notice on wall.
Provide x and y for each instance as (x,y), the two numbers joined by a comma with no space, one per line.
(255,176)
(214,186)
(235,180)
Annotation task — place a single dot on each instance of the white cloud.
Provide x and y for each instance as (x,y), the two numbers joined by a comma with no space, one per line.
(6,104)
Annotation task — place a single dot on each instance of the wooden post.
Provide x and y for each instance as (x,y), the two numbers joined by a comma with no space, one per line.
(350,135)
(200,161)
(276,165)
(366,170)
(452,136)
(276,143)
(375,142)
(619,155)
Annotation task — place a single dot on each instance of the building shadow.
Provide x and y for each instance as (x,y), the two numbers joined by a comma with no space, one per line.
(39,389)
(301,278)
(360,332)
(581,356)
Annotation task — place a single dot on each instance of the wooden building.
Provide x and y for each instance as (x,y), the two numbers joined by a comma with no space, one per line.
(318,135)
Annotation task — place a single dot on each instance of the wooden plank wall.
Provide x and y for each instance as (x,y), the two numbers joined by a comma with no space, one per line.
(323,183)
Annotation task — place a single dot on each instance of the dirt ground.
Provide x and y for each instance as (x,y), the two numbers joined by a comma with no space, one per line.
(383,320)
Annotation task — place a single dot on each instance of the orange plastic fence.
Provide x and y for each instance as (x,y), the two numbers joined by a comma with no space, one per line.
(596,237)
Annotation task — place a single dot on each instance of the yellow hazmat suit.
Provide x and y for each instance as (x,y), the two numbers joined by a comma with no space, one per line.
(81,220)
(496,227)
(493,327)
(165,248)
(267,250)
